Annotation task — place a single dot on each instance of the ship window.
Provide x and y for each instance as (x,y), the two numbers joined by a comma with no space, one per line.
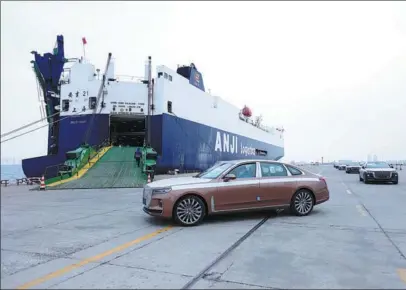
(160,74)
(166,75)
(169,107)
(261,152)
(170,77)
(65,105)
(92,103)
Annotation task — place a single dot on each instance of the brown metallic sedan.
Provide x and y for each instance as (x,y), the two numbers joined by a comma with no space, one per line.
(238,185)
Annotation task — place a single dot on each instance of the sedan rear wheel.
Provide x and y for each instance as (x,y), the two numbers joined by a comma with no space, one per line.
(302,202)
(189,211)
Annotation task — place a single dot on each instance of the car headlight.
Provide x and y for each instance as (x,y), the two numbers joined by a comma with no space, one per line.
(162,190)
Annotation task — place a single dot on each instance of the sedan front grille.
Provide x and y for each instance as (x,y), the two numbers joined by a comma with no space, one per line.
(382,175)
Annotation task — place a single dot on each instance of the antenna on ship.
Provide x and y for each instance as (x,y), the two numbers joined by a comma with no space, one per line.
(84,42)
(149,100)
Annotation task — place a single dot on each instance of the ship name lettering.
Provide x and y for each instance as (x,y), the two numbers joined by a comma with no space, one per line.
(247,150)
(226,144)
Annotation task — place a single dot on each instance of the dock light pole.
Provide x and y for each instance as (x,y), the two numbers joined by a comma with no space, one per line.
(149,101)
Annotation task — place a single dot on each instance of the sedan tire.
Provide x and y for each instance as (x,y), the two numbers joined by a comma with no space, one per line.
(189,211)
(302,202)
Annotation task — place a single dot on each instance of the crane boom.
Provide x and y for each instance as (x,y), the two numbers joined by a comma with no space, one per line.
(98,98)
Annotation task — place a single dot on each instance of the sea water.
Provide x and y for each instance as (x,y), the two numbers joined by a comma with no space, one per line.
(11,171)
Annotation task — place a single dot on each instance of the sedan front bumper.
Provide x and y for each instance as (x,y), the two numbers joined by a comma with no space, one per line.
(381,177)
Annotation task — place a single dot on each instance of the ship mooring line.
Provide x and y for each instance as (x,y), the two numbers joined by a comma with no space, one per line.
(28,125)
(46,125)
(225,254)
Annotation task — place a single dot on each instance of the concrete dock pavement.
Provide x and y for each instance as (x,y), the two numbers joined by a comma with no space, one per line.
(101,239)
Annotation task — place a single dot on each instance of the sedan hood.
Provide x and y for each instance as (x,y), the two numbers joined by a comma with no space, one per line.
(380,169)
(177,181)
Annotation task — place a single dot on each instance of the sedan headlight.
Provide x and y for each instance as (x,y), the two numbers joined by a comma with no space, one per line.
(162,190)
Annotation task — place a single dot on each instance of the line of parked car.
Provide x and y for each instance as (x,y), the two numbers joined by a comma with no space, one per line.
(369,172)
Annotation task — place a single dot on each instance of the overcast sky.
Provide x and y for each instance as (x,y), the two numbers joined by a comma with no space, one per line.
(332,73)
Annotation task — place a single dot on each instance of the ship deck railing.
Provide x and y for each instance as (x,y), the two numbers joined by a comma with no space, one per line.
(127,78)
(5,182)
(28,181)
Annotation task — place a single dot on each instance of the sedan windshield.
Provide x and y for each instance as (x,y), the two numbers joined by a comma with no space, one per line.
(353,163)
(215,171)
(377,165)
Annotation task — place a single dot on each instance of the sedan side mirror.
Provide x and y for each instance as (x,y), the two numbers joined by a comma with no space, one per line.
(229,177)
(363,167)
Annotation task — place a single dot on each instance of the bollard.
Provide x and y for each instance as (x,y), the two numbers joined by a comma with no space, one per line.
(42,185)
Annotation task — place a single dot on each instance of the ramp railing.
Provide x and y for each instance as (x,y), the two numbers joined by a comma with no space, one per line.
(60,171)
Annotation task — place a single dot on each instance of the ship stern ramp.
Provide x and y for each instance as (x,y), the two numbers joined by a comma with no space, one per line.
(115,169)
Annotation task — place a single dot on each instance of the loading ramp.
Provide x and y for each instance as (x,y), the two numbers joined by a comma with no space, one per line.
(116,169)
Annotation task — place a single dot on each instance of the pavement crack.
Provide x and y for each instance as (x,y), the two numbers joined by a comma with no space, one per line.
(62,222)
(64,255)
(149,270)
(98,264)
(32,253)
(246,284)
(335,227)
(146,244)
(384,232)
(359,200)
(212,276)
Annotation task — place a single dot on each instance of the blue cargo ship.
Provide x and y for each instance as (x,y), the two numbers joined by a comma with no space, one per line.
(189,128)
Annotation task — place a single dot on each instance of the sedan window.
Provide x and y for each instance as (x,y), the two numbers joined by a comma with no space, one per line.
(293,170)
(273,169)
(377,165)
(215,171)
(248,170)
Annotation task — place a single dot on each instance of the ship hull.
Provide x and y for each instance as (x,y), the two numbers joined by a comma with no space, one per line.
(181,144)
(188,146)
(72,134)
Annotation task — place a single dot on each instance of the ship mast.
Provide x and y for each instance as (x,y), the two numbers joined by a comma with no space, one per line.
(149,101)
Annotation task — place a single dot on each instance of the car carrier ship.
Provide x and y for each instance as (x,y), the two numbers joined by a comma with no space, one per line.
(189,128)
